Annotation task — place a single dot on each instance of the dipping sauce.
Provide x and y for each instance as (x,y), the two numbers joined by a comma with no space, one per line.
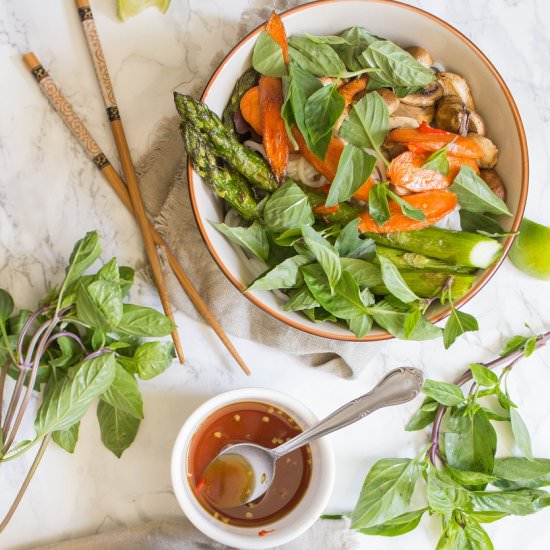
(265,425)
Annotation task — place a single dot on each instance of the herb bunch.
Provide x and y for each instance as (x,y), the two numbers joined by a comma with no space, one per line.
(452,474)
(82,343)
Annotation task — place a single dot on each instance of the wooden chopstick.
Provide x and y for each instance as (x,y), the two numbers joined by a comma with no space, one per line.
(128,169)
(80,132)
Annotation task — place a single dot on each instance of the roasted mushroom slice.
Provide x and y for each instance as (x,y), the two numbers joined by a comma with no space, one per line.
(425,97)
(490,151)
(403,122)
(494,181)
(391,100)
(420,114)
(454,84)
(452,115)
(421,55)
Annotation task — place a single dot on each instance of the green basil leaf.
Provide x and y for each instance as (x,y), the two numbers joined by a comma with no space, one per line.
(85,252)
(442,392)
(530,346)
(322,109)
(287,208)
(379,208)
(487,517)
(386,492)
(16,322)
(126,278)
(302,86)
(153,358)
(124,393)
(365,273)
(319,315)
(475,195)
(109,271)
(88,312)
(300,299)
(349,244)
(289,237)
(444,494)
(465,477)
(354,169)
(360,326)
(344,301)
(396,526)
(521,502)
(483,376)
(327,39)
(318,59)
(513,344)
(67,439)
(517,473)
(325,254)
(357,40)
(474,537)
(457,324)
(267,56)
(438,161)
(368,123)
(424,416)
(253,238)
(394,282)
(397,67)
(414,317)
(69,400)
(474,222)
(392,315)
(470,441)
(285,275)
(144,322)
(107,298)
(6,305)
(407,209)
(118,428)
(521,434)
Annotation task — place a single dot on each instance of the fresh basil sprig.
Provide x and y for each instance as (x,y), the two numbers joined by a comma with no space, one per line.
(450,477)
(87,346)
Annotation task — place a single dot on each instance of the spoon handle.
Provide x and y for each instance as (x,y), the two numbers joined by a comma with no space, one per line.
(398,386)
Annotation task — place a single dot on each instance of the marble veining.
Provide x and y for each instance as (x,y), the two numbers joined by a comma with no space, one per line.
(50,194)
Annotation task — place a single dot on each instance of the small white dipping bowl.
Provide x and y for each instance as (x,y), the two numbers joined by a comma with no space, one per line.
(290,526)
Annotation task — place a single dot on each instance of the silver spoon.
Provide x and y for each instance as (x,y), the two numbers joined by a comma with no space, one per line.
(398,386)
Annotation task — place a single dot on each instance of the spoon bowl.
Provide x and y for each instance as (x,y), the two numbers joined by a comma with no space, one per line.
(243,472)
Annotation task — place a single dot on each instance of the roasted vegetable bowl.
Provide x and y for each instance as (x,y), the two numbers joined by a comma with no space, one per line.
(354,181)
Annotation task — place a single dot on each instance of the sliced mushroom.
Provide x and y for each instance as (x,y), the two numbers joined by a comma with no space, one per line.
(452,115)
(421,55)
(494,181)
(490,151)
(391,100)
(420,114)
(425,97)
(393,149)
(454,84)
(403,122)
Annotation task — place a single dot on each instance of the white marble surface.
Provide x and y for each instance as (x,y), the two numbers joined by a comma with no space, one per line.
(50,194)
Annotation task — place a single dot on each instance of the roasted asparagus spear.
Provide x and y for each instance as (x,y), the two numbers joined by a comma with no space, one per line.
(226,146)
(248,80)
(225,182)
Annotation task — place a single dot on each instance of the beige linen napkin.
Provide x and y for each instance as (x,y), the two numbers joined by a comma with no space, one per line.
(181,535)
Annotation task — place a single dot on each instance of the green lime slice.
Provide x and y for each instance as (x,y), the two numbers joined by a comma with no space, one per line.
(127,8)
(530,252)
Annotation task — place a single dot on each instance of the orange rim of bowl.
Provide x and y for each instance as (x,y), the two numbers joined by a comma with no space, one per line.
(506,245)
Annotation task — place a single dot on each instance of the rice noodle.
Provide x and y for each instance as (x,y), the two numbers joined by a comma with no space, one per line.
(450,221)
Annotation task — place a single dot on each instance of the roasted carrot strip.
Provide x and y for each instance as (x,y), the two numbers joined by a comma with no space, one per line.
(250,109)
(322,210)
(425,128)
(461,146)
(275,140)
(325,167)
(362,193)
(406,171)
(435,205)
(352,88)
(455,163)
(276,30)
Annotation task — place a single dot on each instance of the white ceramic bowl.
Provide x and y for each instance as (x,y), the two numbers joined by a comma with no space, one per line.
(298,520)
(407,26)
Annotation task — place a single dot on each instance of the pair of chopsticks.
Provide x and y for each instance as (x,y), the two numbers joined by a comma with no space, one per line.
(128,193)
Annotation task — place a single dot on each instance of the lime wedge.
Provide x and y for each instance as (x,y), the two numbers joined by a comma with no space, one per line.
(127,8)
(530,252)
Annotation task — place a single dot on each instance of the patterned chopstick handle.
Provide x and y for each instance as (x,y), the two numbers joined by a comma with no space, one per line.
(96,52)
(66,112)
